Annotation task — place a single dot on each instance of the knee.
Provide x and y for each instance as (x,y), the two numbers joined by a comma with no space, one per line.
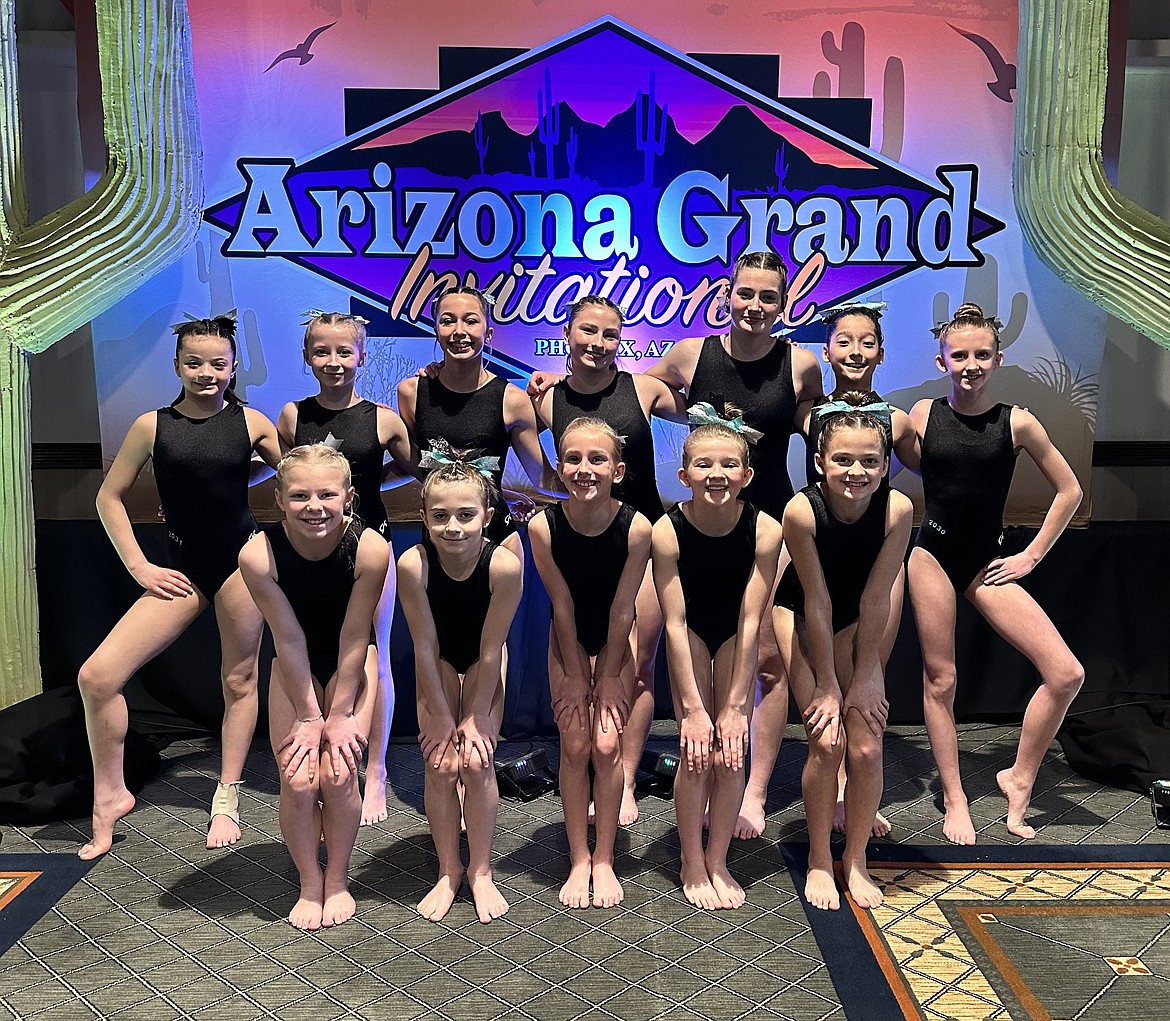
(864,751)
(575,748)
(448,772)
(239,683)
(337,785)
(607,748)
(96,683)
(938,684)
(300,786)
(1067,681)
(822,752)
(478,774)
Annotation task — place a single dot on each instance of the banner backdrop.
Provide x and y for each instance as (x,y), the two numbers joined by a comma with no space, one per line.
(363,155)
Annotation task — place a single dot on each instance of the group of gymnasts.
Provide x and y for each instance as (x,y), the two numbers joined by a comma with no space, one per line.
(759,591)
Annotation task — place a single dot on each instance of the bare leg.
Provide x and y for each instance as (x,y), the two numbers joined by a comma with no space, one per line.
(1017,617)
(768,723)
(240,628)
(573,780)
(647,631)
(607,793)
(727,789)
(300,812)
(148,627)
(441,800)
(481,806)
(933,600)
(374,799)
(692,789)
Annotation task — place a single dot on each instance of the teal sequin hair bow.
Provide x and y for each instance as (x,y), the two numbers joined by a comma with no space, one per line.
(837,407)
(704,414)
(440,454)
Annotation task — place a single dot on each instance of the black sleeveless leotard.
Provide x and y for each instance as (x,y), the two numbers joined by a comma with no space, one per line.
(356,427)
(847,553)
(468,421)
(202,467)
(815,422)
(592,566)
(459,608)
(764,392)
(714,571)
(618,405)
(967,466)
(318,592)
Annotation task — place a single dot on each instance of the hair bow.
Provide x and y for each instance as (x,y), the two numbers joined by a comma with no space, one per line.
(316,313)
(704,414)
(188,318)
(992,321)
(876,307)
(439,455)
(838,406)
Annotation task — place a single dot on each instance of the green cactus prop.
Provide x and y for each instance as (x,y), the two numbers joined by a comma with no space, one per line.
(60,272)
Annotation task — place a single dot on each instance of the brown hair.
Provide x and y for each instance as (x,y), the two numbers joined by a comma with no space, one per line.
(968,316)
(593,425)
(872,315)
(762,260)
(475,292)
(852,420)
(217,326)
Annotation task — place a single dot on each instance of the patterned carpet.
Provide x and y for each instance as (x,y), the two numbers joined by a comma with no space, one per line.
(162,928)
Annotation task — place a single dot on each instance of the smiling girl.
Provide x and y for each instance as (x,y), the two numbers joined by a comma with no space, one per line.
(969,448)
(201,448)
(591,552)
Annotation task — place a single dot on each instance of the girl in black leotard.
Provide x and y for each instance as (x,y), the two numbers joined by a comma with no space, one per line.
(317,575)
(335,348)
(714,565)
(627,401)
(472,409)
(770,380)
(459,592)
(591,552)
(202,448)
(969,445)
(847,536)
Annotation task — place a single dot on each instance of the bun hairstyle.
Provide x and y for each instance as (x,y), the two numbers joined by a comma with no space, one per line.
(721,431)
(598,427)
(485,302)
(763,260)
(969,316)
(456,468)
(356,323)
(216,326)
(312,455)
(873,315)
(833,424)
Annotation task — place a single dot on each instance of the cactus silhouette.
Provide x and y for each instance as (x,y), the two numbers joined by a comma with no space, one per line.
(571,150)
(893,109)
(650,139)
(531,159)
(849,59)
(70,266)
(215,271)
(481,143)
(822,85)
(548,126)
(982,287)
(781,167)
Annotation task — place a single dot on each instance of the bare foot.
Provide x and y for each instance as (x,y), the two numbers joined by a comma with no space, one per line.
(1018,795)
(105,818)
(628,813)
(881,825)
(435,905)
(306,912)
(957,825)
(729,892)
(374,799)
(339,907)
(223,832)
(864,891)
(820,889)
(697,888)
(489,902)
(575,892)
(607,891)
(750,823)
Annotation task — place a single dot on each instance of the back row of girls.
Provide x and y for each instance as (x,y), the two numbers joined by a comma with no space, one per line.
(599,685)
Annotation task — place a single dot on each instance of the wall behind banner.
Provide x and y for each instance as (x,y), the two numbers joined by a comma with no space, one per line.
(602,158)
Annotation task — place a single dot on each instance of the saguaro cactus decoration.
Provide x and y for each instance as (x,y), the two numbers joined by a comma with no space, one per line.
(649,137)
(849,59)
(73,264)
(571,150)
(481,143)
(548,127)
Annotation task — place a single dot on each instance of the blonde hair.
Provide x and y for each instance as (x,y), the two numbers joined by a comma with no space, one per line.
(336,319)
(716,431)
(459,471)
(600,427)
(855,419)
(312,455)
(968,316)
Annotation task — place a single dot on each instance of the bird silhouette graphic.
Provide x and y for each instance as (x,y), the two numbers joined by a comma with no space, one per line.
(1005,73)
(303,52)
